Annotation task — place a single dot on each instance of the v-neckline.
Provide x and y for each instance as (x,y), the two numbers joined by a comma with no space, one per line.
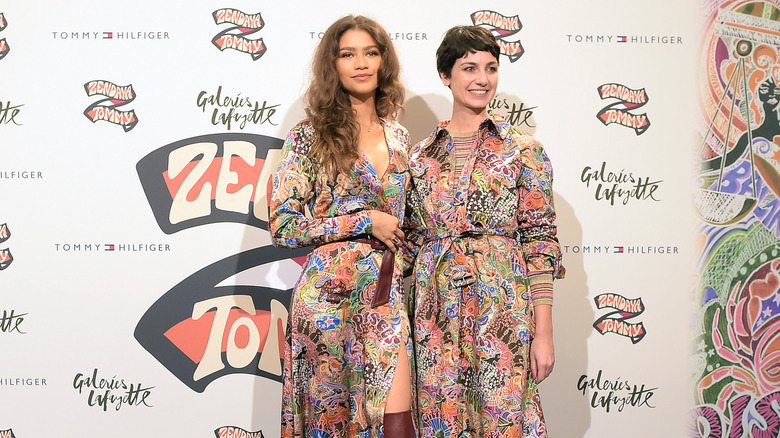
(389,158)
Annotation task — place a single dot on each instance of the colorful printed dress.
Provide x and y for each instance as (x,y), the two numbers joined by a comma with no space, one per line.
(341,353)
(484,248)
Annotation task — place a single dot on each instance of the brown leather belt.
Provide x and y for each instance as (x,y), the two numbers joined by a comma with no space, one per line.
(385,279)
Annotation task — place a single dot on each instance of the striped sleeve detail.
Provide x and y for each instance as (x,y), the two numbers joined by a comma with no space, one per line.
(541,285)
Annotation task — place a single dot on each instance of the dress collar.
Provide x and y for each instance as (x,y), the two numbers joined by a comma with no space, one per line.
(493,123)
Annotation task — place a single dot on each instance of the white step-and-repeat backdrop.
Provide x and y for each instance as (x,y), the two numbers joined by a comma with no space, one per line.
(139,292)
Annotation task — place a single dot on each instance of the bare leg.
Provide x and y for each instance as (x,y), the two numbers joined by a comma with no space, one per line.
(399,399)
(398,421)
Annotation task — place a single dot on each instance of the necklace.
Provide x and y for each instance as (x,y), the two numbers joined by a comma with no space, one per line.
(373,125)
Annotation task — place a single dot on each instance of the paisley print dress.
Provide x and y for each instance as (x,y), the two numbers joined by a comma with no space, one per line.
(341,353)
(483,247)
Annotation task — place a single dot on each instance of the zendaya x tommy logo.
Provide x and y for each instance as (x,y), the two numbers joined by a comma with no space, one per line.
(228,431)
(615,322)
(618,112)
(3,44)
(244,25)
(502,27)
(5,254)
(229,317)
(105,109)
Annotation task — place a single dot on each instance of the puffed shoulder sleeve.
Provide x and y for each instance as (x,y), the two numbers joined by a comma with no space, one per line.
(293,190)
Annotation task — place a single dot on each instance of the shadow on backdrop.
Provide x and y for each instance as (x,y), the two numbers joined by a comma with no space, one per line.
(422,114)
(566,410)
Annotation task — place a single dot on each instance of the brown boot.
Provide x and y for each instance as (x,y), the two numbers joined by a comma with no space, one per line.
(399,425)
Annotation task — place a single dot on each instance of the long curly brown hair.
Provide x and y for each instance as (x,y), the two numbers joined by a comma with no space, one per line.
(329,109)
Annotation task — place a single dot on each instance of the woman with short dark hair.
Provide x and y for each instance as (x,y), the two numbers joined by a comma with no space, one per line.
(481,231)
(347,371)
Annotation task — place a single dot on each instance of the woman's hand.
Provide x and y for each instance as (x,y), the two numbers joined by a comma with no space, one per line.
(542,349)
(542,357)
(386,228)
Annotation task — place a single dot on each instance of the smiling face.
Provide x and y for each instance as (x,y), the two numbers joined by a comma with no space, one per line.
(473,81)
(358,63)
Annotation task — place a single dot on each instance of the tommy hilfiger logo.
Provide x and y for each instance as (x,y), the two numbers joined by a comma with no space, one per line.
(103,35)
(624,39)
(111,247)
(600,249)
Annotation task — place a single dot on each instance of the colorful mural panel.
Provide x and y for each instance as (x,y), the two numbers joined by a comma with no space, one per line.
(737,349)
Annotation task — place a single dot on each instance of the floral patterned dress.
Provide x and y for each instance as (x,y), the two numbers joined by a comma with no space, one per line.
(484,251)
(341,352)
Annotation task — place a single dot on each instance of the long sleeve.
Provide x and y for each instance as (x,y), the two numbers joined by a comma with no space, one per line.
(295,187)
(536,220)
(414,222)
(413,240)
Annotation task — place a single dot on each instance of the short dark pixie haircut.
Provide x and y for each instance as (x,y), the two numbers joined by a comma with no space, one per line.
(461,40)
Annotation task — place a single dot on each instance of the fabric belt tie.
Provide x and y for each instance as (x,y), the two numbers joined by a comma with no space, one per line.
(448,239)
(385,279)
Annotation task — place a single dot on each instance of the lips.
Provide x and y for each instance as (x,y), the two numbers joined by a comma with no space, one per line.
(361,77)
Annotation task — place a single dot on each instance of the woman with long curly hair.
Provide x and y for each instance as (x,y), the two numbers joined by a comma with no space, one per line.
(347,368)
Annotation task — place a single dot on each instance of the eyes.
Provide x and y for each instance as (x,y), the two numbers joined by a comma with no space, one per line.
(471,68)
(351,53)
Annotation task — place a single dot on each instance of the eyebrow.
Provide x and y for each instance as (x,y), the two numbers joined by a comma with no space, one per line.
(470,63)
(364,48)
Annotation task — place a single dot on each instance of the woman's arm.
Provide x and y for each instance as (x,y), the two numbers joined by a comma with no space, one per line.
(414,223)
(413,241)
(537,234)
(542,348)
(293,189)
(536,231)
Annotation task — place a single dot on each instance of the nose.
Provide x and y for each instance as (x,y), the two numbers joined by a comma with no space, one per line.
(360,62)
(482,78)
